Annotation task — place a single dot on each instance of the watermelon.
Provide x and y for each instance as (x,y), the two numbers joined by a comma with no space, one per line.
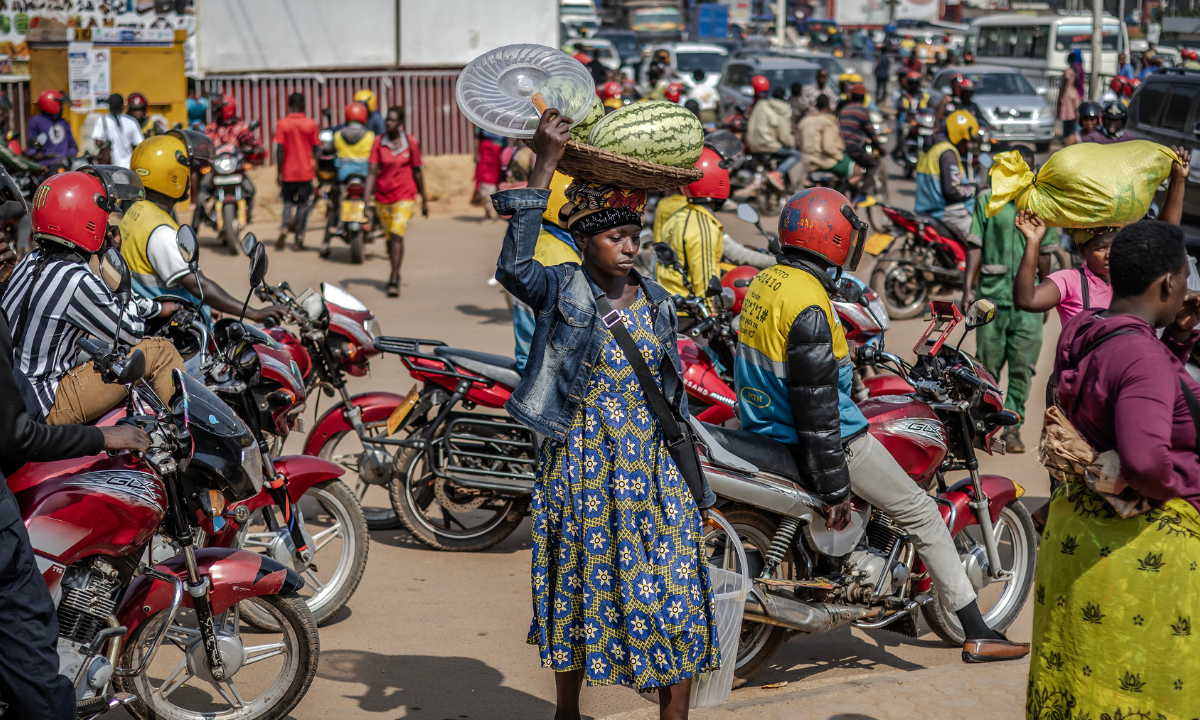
(583,128)
(658,132)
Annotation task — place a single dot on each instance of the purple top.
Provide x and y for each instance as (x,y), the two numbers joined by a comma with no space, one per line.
(60,141)
(1125,395)
(1099,136)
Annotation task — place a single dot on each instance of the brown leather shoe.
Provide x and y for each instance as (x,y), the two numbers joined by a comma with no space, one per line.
(1012,441)
(981,651)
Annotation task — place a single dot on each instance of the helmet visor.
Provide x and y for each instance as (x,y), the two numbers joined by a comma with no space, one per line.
(10,191)
(121,185)
(858,236)
(199,146)
(727,145)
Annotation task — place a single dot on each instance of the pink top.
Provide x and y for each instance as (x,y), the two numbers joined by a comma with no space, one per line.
(1070,289)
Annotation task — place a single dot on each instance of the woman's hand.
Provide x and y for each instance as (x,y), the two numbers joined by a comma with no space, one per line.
(1180,169)
(549,143)
(1031,226)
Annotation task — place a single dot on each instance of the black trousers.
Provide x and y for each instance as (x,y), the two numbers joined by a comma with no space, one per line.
(29,679)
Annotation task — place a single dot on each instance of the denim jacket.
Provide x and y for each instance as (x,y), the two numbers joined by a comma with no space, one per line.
(567,340)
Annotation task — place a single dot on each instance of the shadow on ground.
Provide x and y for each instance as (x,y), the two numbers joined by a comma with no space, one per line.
(805,656)
(489,316)
(438,687)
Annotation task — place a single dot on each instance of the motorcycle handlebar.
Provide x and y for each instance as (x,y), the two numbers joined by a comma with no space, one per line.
(703,327)
(966,376)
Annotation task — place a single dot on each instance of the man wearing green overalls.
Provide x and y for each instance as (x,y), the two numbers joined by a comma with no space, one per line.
(994,250)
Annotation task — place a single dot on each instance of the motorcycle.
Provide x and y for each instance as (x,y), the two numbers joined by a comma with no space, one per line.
(224,208)
(812,579)
(114,610)
(348,215)
(920,127)
(918,257)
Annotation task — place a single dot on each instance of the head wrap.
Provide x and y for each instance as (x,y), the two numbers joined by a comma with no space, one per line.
(1082,236)
(593,208)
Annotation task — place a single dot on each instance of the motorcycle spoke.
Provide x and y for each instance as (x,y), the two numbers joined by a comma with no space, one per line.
(326,536)
(312,580)
(177,678)
(231,695)
(258,653)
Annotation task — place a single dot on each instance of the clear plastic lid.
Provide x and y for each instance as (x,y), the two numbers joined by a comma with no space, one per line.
(495,91)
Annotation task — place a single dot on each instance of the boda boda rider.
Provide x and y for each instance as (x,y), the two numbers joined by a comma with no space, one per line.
(149,230)
(1112,125)
(353,142)
(29,679)
(608,496)
(54,299)
(229,129)
(139,107)
(942,188)
(695,234)
(794,376)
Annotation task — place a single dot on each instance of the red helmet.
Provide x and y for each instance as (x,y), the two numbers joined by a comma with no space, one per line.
(760,84)
(822,222)
(72,207)
(1131,86)
(50,102)
(356,112)
(1117,84)
(136,99)
(1189,55)
(228,107)
(738,280)
(913,76)
(673,92)
(961,84)
(609,90)
(715,183)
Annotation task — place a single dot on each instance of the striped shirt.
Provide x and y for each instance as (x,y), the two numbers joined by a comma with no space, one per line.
(68,303)
(855,121)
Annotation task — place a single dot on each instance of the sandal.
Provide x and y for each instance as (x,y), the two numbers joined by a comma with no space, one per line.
(393,288)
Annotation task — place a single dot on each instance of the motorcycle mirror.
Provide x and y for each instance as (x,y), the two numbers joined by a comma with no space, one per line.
(254,125)
(985,161)
(115,273)
(135,367)
(41,140)
(849,291)
(714,288)
(981,312)
(746,213)
(258,264)
(727,298)
(248,243)
(665,255)
(773,245)
(189,246)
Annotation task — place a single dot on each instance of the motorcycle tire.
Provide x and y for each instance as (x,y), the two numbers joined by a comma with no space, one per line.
(340,503)
(377,518)
(886,279)
(229,228)
(356,247)
(1001,614)
(301,651)
(759,641)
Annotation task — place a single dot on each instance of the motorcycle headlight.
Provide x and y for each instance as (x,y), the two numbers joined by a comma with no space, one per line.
(252,465)
(373,328)
(325,136)
(224,165)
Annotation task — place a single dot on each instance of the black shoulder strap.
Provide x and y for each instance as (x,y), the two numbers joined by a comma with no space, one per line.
(1083,286)
(1193,408)
(611,318)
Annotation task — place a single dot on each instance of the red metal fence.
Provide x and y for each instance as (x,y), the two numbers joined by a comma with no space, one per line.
(427,96)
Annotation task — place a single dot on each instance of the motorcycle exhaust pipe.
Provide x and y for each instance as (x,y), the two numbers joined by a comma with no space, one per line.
(773,609)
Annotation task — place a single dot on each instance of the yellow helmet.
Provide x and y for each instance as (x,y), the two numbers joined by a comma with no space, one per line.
(367,98)
(850,77)
(961,125)
(558,196)
(164,162)
(614,103)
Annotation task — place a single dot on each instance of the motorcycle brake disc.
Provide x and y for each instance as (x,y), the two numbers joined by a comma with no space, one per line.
(445,497)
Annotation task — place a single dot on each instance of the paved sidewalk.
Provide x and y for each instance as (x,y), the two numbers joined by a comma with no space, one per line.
(952,692)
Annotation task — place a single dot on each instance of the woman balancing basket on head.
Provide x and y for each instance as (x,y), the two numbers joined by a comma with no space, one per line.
(620,584)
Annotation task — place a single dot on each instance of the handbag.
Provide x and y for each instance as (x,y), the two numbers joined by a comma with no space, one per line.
(680,442)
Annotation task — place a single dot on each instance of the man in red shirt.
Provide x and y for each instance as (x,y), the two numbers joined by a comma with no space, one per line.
(394,180)
(295,139)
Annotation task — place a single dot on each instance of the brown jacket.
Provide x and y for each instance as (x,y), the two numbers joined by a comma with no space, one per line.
(821,140)
(770,128)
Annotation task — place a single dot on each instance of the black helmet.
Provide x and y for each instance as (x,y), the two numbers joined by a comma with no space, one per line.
(1116,111)
(1089,110)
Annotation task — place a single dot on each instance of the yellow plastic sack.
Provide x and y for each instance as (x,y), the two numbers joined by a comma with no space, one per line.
(1084,185)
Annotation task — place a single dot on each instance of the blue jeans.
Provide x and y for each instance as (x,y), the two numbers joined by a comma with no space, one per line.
(788,158)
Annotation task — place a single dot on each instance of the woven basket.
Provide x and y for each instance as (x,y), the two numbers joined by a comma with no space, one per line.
(591,164)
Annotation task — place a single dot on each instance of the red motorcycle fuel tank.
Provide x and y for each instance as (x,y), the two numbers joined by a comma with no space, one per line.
(703,382)
(911,432)
(293,347)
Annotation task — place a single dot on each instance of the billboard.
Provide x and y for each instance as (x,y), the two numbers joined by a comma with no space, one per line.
(875,12)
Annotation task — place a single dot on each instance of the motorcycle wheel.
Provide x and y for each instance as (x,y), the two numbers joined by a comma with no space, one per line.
(902,288)
(759,641)
(1017,542)
(356,247)
(349,456)
(277,686)
(430,511)
(331,512)
(229,228)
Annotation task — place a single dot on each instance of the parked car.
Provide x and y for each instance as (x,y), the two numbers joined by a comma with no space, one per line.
(685,58)
(626,44)
(580,15)
(1164,110)
(782,71)
(832,65)
(1010,105)
(609,56)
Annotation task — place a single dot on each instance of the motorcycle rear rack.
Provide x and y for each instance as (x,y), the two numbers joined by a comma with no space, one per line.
(410,348)
(457,441)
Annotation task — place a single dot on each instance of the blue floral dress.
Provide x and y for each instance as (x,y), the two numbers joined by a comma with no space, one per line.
(620,583)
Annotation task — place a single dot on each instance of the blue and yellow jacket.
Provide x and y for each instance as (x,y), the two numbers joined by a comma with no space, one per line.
(793,372)
(940,181)
(555,246)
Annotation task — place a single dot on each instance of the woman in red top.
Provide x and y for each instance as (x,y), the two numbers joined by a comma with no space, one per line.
(394,179)
(488,150)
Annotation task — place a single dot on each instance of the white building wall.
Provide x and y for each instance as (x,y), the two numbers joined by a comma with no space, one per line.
(454,32)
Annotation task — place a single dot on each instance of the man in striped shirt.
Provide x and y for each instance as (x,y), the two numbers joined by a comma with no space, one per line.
(53,299)
(858,132)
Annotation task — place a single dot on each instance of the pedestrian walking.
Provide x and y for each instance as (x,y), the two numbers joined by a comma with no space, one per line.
(488,148)
(1014,337)
(1070,95)
(394,180)
(620,589)
(1116,586)
(296,138)
(883,67)
(116,134)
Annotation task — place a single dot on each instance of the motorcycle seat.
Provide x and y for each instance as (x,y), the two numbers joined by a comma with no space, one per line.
(938,226)
(769,455)
(493,367)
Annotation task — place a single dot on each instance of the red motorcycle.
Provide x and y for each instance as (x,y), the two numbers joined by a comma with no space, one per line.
(919,257)
(811,579)
(92,522)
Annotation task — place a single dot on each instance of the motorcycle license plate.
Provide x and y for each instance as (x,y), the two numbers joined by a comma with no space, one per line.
(402,410)
(227,180)
(877,243)
(1016,128)
(354,211)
